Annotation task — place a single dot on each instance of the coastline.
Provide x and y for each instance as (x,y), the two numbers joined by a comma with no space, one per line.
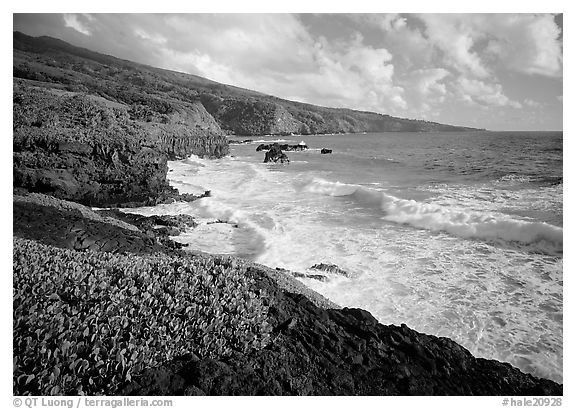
(316,348)
(94,144)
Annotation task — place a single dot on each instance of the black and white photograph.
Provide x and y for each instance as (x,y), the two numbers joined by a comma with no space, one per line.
(287,204)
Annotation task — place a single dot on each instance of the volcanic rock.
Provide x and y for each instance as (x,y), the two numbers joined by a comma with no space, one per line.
(276,155)
(284,147)
(330,268)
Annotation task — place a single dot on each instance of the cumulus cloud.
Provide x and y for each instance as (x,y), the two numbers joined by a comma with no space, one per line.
(455,37)
(405,41)
(526,43)
(483,93)
(348,74)
(480,44)
(445,56)
(428,81)
(274,54)
(426,90)
(73,21)
(352,71)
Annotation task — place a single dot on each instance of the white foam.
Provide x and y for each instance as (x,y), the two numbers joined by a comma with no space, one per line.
(514,178)
(272,141)
(430,216)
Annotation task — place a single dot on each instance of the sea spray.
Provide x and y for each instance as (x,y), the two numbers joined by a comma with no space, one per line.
(462,223)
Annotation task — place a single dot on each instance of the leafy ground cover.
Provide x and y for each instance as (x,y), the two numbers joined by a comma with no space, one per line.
(86,323)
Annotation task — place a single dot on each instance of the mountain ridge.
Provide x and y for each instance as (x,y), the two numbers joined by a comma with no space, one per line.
(237,110)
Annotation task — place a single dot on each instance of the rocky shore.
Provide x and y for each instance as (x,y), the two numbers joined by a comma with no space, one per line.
(316,347)
(74,151)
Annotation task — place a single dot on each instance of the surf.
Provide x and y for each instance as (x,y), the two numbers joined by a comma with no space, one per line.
(462,223)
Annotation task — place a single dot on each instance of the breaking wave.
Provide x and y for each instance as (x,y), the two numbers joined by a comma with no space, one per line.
(459,222)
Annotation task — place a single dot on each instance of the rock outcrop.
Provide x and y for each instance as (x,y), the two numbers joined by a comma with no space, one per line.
(157,225)
(324,151)
(87,149)
(275,154)
(69,228)
(330,268)
(193,131)
(284,147)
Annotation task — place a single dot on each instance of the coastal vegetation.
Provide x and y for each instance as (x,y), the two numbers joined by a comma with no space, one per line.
(85,323)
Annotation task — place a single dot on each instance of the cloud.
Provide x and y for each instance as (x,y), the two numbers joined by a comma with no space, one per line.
(425,90)
(428,81)
(73,21)
(455,36)
(405,41)
(475,45)
(526,43)
(271,53)
(480,44)
(347,74)
(153,38)
(531,103)
(439,57)
(483,93)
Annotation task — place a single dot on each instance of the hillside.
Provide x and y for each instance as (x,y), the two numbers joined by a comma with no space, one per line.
(154,96)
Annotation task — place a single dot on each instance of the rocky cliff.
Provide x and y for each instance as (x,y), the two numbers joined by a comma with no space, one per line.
(94,151)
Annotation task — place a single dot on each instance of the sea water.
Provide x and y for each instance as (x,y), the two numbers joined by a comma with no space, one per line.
(455,234)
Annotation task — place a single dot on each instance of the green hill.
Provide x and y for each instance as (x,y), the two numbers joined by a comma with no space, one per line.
(155,95)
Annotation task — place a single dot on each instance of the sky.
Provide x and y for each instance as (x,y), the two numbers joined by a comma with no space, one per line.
(493,71)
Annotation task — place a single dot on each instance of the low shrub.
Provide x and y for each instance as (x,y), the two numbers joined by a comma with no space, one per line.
(85,323)
(42,119)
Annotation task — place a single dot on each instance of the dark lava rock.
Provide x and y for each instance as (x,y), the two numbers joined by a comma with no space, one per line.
(156,225)
(330,268)
(276,155)
(174,196)
(318,277)
(179,143)
(69,229)
(325,151)
(107,176)
(346,351)
(284,147)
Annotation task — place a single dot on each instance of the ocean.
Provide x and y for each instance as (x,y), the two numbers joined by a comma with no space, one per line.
(455,234)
